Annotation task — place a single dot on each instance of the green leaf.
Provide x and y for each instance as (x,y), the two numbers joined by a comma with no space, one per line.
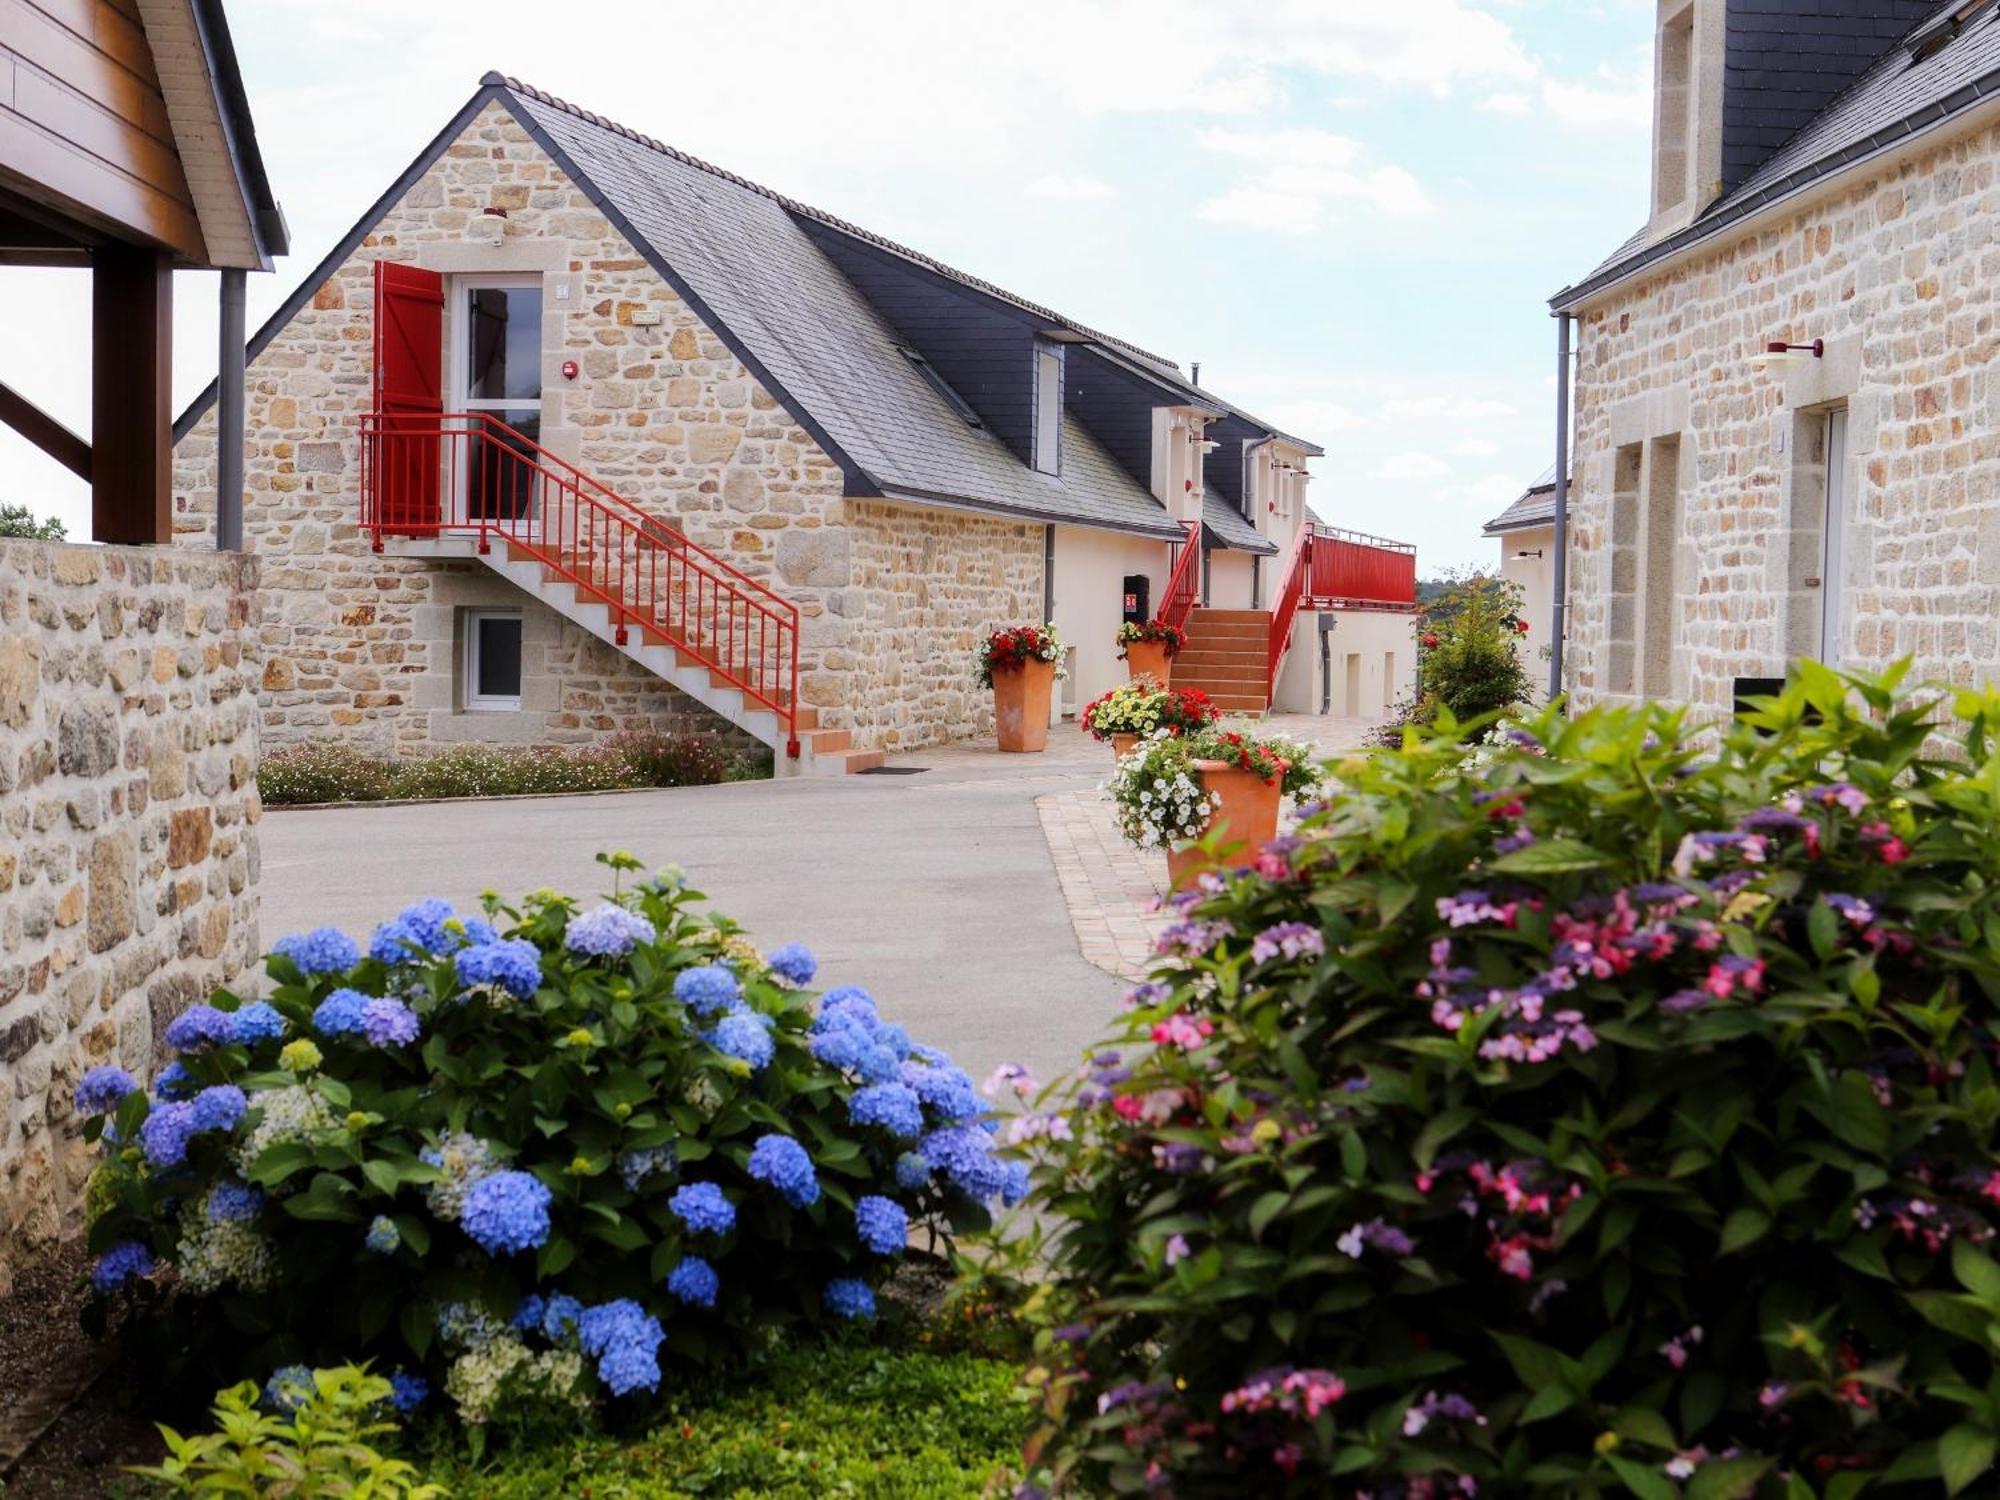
(1537,1364)
(1701,1399)
(1975,1272)
(1953,1313)
(1644,1425)
(1727,1478)
(276,1163)
(1643,1480)
(1743,1227)
(1549,1401)
(1964,1453)
(1441,1127)
(1550,857)
(381,1175)
(1822,930)
(1267,1207)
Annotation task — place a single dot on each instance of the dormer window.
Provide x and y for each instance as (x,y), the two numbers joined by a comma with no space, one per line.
(1048,408)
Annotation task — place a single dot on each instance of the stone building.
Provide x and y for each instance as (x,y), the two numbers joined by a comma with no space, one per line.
(128,699)
(574,433)
(1787,408)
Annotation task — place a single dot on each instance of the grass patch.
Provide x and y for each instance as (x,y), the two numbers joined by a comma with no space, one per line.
(338,773)
(852,1421)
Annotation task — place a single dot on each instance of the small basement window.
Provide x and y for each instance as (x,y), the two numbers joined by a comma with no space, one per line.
(493,660)
(1048,410)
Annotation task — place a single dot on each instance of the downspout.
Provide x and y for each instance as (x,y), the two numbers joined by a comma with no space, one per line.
(229,417)
(1048,574)
(1560,587)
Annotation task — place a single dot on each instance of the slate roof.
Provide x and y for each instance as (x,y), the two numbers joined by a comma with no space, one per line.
(1229,527)
(742,256)
(1895,98)
(1536,507)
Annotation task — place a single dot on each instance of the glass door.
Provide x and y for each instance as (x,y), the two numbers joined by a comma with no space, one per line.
(497,369)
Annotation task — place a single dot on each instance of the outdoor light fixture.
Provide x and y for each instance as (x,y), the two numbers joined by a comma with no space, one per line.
(1525,553)
(1779,354)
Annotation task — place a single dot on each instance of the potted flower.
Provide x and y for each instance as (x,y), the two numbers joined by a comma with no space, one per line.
(1020,664)
(1150,647)
(1220,786)
(1140,709)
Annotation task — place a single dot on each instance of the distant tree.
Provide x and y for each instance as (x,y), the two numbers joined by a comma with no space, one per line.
(19,521)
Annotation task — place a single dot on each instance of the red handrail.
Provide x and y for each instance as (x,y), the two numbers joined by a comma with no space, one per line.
(1291,588)
(471,473)
(1184,583)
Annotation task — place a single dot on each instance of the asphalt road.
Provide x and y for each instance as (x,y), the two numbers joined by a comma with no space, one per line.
(934,891)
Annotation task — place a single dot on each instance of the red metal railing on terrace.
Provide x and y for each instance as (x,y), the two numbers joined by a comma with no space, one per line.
(1184,583)
(1327,568)
(468,473)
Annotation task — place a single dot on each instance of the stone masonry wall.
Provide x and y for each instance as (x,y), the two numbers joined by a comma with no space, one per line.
(1699,482)
(358,644)
(928,586)
(128,863)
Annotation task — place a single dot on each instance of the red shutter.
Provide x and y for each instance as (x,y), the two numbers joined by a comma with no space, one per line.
(409,393)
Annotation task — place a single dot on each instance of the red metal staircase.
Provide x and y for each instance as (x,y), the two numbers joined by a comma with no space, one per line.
(711,629)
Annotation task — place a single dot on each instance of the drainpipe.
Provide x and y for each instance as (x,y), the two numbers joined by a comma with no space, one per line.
(1561,583)
(1048,574)
(229,418)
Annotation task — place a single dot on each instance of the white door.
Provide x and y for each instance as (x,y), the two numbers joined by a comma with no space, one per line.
(1833,562)
(496,367)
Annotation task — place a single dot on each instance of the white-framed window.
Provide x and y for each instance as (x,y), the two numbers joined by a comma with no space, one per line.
(1048,409)
(492,666)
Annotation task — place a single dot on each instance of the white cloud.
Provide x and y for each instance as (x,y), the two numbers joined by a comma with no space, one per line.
(1408,467)
(1447,407)
(1302,178)
(1069,187)
(1617,98)
(1475,448)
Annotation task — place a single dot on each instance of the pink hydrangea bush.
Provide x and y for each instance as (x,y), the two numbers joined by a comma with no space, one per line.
(1615,1114)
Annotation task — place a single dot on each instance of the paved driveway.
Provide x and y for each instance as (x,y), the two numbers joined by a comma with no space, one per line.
(935,891)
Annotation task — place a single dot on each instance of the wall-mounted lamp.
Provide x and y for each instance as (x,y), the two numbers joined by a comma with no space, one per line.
(1777,354)
(1208,445)
(1525,553)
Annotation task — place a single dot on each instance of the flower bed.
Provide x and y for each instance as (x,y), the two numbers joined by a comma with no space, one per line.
(338,773)
(1606,1117)
(526,1158)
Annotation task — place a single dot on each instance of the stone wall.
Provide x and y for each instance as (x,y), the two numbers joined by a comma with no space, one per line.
(927,587)
(660,411)
(128,867)
(1698,502)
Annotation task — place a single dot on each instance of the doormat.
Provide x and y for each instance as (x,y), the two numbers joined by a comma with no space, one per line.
(893,771)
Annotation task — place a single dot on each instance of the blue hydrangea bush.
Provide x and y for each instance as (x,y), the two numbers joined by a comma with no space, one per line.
(534,1158)
(1608,1110)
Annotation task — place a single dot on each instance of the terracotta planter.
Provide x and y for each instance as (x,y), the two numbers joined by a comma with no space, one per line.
(1245,822)
(1150,659)
(1021,705)
(1121,745)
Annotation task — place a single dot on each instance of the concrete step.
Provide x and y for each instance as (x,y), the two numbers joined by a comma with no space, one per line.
(1219,655)
(1207,616)
(1203,635)
(827,741)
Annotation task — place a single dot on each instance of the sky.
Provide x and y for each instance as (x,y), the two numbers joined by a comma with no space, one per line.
(1350,212)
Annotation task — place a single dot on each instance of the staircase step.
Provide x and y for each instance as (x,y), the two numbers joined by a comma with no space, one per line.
(1200,656)
(808,719)
(1206,616)
(827,741)
(1201,635)
(865,760)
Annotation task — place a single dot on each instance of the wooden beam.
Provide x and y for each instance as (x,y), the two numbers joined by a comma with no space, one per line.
(131,379)
(45,432)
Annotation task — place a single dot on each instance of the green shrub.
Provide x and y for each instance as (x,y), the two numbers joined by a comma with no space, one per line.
(516,1164)
(1590,1114)
(635,758)
(850,1421)
(1468,658)
(314,1446)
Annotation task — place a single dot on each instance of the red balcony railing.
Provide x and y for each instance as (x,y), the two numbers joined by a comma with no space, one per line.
(1326,568)
(468,473)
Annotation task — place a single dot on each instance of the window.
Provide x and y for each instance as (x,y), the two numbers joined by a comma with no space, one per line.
(938,383)
(497,369)
(1621,572)
(493,660)
(1048,410)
